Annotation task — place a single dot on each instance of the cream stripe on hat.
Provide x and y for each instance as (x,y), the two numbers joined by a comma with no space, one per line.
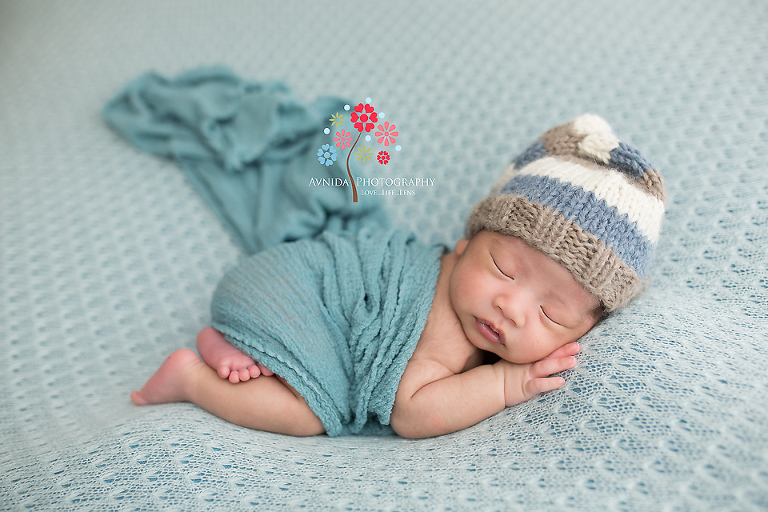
(612,187)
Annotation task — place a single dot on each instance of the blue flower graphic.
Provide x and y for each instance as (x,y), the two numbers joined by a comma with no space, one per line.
(326,154)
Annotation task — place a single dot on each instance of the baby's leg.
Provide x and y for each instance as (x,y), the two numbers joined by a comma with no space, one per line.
(228,361)
(266,403)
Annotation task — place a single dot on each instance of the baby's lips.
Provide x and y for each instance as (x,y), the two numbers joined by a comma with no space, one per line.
(490,332)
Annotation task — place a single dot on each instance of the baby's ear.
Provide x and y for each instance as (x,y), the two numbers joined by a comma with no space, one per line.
(461,245)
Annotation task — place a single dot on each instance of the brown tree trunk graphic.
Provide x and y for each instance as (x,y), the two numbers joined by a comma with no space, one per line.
(351,179)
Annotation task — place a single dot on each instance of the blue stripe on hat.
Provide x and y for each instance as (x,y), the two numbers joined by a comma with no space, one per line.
(591,214)
(534,152)
(629,160)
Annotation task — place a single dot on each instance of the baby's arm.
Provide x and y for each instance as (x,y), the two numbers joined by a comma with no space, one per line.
(433,401)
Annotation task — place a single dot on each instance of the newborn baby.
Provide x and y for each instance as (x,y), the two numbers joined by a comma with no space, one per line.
(565,237)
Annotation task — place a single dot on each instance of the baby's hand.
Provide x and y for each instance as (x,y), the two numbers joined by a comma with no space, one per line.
(524,381)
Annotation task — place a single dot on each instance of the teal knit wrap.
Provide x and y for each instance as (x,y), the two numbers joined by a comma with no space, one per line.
(338,317)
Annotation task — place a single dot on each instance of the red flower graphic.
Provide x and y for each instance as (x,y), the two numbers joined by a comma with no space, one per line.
(383,157)
(363,117)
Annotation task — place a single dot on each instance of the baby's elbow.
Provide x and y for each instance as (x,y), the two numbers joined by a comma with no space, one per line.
(414,424)
(398,420)
(406,429)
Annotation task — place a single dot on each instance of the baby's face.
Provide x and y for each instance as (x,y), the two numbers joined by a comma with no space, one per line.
(516,302)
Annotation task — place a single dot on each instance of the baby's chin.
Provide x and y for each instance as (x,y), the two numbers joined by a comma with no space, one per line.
(510,358)
(517,358)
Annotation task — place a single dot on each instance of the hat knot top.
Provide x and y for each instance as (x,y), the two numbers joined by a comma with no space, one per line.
(588,201)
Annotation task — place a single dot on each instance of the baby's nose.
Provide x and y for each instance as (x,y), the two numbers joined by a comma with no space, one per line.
(512,306)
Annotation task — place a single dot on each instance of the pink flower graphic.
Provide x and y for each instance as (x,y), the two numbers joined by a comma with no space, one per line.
(383,157)
(386,134)
(363,117)
(343,139)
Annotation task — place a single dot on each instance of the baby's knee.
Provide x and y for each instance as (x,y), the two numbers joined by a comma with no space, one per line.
(303,422)
(310,426)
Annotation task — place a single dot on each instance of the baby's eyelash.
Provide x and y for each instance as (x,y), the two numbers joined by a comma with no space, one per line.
(548,317)
(499,268)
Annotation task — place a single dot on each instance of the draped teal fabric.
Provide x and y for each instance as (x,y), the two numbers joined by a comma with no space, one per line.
(338,317)
(250,149)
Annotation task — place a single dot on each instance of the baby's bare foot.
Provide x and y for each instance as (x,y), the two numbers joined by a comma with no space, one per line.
(229,362)
(167,384)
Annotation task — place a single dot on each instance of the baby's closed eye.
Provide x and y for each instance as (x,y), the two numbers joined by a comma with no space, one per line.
(548,317)
(507,272)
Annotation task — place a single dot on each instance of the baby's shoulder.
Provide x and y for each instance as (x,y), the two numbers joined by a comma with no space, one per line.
(454,352)
(442,351)
(443,342)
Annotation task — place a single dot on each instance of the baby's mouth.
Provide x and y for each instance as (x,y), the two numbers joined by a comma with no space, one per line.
(489,332)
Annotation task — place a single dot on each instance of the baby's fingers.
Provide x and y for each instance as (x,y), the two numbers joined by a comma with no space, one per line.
(547,367)
(539,375)
(537,386)
(571,349)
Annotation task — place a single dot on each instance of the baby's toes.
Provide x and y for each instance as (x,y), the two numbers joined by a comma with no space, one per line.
(223,371)
(234,377)
(264,370)
(253,371)
(244,374)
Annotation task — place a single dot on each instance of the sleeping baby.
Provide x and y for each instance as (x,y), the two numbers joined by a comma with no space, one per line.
(373,331)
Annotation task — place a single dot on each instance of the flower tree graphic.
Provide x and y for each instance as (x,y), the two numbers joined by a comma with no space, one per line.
(364,118)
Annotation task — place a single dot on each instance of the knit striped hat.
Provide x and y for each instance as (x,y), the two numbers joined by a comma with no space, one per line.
(585,199)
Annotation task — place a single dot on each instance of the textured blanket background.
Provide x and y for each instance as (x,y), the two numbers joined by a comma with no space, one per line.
(108,258)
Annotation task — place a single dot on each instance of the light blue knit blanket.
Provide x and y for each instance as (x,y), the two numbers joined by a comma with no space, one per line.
(332,300)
